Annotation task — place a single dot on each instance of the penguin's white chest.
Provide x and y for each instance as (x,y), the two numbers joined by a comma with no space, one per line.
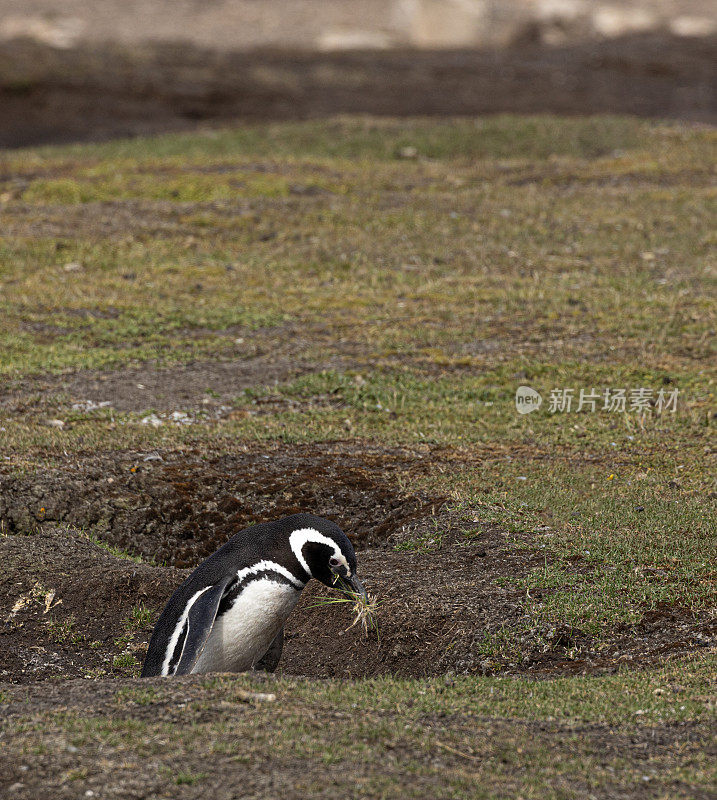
(242,635)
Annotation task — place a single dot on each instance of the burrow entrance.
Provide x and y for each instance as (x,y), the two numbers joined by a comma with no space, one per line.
(445,605)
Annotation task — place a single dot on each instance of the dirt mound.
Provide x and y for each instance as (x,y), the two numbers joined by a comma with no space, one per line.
(449,586)
(71,609)
(177,508)
(456,609)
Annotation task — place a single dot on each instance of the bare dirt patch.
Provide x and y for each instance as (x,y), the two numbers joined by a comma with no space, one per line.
(260,358)
(196,385)
(65,602)
(440,578)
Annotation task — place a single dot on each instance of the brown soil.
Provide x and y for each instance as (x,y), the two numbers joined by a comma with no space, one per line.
(93,93)
(263,357)
(179,508)
(64,601)
(438,603)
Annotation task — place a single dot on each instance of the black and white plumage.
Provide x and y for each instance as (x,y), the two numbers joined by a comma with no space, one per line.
(229,615)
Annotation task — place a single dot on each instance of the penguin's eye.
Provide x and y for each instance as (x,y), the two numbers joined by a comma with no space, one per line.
(334,562)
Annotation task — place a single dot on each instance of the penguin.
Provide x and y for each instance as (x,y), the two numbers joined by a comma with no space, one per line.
(229,615)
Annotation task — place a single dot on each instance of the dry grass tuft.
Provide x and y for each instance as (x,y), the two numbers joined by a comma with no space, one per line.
(364,609)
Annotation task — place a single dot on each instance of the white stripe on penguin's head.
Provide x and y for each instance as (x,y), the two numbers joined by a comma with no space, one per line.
(303,536)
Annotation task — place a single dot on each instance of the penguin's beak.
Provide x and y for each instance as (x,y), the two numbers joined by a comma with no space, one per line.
(351,587)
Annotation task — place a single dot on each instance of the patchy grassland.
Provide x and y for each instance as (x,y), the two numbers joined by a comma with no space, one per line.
(579,240)
(632,735)
(390,284)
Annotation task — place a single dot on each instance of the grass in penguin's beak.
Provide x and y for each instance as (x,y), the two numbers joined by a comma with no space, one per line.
(364,605)
(351,588)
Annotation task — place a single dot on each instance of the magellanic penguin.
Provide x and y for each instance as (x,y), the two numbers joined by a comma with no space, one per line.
(229,615)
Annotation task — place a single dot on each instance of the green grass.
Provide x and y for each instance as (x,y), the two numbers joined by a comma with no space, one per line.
(496,137)
(658,693)
(64,632)
(548,252)
(623,301)
(189,778)
(139,616)
(517,230)
(117,552)
(458,738)
(124,661)
(143,697)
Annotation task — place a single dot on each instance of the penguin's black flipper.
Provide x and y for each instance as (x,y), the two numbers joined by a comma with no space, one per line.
(199,625)
(270,660)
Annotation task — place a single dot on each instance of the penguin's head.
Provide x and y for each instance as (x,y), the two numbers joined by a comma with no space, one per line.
(325,553)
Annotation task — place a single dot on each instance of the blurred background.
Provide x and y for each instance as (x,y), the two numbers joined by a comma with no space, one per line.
(77,70)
